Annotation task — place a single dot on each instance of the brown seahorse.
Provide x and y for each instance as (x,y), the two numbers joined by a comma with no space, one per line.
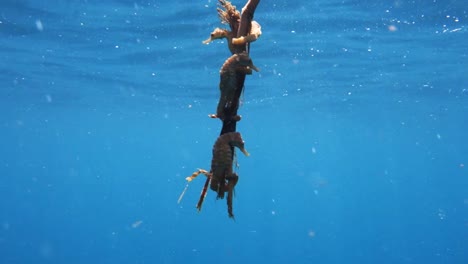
(221,177)
(228,82)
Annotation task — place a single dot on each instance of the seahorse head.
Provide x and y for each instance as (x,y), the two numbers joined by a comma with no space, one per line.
(245,61)
(235,140)
(218,33)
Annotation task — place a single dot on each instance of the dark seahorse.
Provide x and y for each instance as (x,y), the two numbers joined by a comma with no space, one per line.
(237,63)
(221,178)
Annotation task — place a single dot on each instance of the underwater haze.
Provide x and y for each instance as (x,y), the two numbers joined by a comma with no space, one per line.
(356,125)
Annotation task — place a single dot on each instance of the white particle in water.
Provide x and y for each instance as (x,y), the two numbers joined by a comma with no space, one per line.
(39,25)
(441,214)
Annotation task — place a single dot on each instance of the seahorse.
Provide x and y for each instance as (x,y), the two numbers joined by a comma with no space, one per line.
(228,82)
(221,163)
(221,177)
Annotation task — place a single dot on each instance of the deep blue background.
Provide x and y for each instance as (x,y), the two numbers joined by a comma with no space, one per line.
(357,128)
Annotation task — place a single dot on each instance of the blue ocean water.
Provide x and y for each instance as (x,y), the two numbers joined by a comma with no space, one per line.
(356,125)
